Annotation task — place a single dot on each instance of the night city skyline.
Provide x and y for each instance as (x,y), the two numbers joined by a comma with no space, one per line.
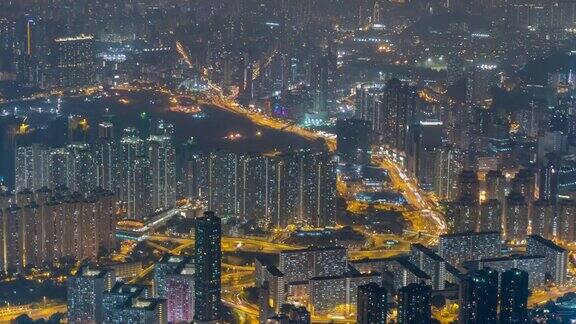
(288,161)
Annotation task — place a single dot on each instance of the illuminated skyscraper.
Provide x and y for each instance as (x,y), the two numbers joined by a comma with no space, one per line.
(491,216)
(495,185)
(322,83)
(566,220)
(514,297)
(317,189)
(464,214)
(301,265)
(162,158)
(397,113)
(58,167)
(222,179)
(479,297)
(13,238)
(32,167)
(253,187)
(284,190)
(131,149)
(106,158)
(81,168)
(353,141)
(114,300)
(180,294)
(126,303)
(479,82)
(208,255)
(75,61)
(139,204)
(7,45)
(294,188)
(549,178)
(414,304)
(429,262)
(460,247)
(449,164)
(542,218)
(556,257)
(516,225)
(85,292)
(423,149)
(327,293)
(31,234)
(367,106)
(167,265)
(372,304)
(271,281)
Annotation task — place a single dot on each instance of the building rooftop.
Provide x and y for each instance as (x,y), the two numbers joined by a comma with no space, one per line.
(512,257)
(469,233)
(121,288)
(428,252)
(274,270)
(313,248)
(322,278)
(546,242)
(86,271)
(75,38)
(145,303)
(412,268)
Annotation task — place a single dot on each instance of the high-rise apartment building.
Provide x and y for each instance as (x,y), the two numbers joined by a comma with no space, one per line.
(353,141)
(74,61)
(491,216)
(162,158)
(542,218)
(414,304)
(48,225)
(106,158)
(31,166)
(514,297)
(460,247)
(516,216)
(566,230)
(139,202)
(556,257)
(372,304)
(292,188)
(180,294)
(479,297)
(85,291)
(208,255)
(166,266)
(429,262)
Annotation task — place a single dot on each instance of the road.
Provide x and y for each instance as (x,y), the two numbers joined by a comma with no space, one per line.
(6,315)
(425,219)
(540,297)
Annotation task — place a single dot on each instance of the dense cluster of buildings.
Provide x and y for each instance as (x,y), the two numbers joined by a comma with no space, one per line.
(278,190)
(474,100)
(327,283)
(140,172)
(318,277)
(184,289)
(392,116)
(498,204)
(44,226)
(34,55)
